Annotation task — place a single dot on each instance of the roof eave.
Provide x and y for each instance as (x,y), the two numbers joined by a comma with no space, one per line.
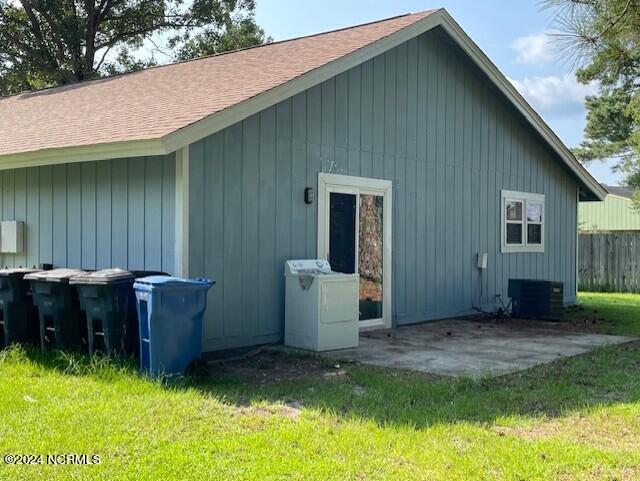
(441,17)
(220,120)
(509,90)
(84,153)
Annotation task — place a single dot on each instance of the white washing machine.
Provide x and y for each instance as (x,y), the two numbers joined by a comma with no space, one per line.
(321,306)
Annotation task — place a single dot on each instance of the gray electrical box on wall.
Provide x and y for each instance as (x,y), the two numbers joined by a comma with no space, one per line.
(11,236)
(482,261)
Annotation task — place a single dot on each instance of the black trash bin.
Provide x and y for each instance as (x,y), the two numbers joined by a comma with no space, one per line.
(18,317)
(62,322)
(109,303)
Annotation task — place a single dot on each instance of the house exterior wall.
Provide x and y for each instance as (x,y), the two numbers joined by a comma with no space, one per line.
(615,213)
(419,115)
(94,215)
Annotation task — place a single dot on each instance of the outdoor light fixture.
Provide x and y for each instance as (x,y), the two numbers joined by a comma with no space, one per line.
(309,195)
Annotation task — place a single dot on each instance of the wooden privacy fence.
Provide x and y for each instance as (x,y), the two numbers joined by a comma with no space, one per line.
(609,261)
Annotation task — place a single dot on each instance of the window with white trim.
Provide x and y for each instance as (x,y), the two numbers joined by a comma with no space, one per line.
(523,218)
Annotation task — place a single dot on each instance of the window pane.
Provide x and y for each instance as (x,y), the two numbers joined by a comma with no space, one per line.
(514,210)
(371,256)
(534,211)
(534,233)
(514,233)
(342,232)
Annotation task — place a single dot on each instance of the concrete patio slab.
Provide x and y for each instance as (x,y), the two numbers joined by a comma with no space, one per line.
(471,348)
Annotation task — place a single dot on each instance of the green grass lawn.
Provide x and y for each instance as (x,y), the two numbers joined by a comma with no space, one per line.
(614,313)
(577,418)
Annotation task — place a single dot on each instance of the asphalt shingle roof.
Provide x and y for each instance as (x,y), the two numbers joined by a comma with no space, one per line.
(158,101)
(620,190)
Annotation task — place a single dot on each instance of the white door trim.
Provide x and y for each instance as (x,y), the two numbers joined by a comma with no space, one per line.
(360,185)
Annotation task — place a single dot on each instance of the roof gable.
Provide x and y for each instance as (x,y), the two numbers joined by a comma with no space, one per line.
(160,110)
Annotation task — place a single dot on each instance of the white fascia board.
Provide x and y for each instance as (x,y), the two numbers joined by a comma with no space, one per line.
(219,120)
(83,153)
(508,89)
(441,18)
(229,116)
(238,112)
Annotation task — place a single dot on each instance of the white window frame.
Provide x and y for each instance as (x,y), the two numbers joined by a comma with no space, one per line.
(347,184)
(525,198)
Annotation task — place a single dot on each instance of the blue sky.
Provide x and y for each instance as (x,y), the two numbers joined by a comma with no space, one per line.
(511,33)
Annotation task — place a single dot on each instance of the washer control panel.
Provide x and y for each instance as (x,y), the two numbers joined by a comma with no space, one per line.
(300,266)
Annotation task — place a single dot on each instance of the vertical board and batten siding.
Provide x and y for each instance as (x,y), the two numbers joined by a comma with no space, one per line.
(94,215)
(418,115)
(615,213)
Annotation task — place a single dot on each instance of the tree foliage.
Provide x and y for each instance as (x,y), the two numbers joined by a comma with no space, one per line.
(241,34)
(53,42)
(603,37)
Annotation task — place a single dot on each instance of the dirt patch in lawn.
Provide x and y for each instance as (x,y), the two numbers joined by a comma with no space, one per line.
(590,320)
(572,325)
(290,410)
(589,430)
(276,365)
(576,319)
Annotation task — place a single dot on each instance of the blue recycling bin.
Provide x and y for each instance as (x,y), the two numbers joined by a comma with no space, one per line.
(170,311)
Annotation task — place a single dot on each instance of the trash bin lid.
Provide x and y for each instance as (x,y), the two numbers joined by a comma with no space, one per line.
(54,275)
(104,276)
(17,271)
(137,274)
(153,282)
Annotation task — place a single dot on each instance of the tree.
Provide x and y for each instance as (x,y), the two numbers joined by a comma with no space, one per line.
(603,37)
(241,34)
(54,42)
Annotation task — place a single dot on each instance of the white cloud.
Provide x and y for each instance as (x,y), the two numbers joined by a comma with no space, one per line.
(555,96)
(534,49)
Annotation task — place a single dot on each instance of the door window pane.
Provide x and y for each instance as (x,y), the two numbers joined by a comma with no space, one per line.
(370,256)
(342,232)
(514,233)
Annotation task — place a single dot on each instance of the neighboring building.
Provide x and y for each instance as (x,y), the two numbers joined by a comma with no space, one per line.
(614,214)
(200,169)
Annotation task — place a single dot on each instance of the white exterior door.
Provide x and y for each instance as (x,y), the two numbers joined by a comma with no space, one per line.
(354,234)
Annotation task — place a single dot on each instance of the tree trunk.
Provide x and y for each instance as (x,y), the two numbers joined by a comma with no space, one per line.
(90,38)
